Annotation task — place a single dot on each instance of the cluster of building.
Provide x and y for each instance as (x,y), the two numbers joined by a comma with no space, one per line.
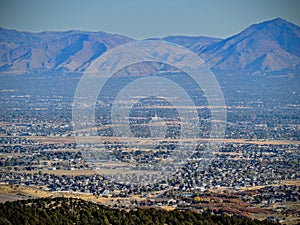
(234,166)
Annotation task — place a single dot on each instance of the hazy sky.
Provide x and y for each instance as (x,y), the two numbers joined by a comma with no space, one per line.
(145,18)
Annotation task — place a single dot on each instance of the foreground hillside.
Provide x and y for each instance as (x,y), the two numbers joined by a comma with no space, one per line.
(76,211)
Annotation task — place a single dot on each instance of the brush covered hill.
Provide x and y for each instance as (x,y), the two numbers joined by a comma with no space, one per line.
(76,211)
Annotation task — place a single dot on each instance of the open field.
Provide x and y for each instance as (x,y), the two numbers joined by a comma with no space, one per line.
(15,192)
(290,182)
(63,172)
(283,182)
(100,139)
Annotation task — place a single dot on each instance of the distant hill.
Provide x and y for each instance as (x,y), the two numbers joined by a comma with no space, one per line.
(60,51)
(270,46)
(194,42)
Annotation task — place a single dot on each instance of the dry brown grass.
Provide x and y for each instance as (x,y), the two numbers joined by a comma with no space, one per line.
(70,172)
(100,139)
(8,189)
(290,182)
(283,182)
(38,193)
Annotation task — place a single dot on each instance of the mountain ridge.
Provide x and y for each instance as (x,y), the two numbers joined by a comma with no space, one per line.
(241,51)
(269,46)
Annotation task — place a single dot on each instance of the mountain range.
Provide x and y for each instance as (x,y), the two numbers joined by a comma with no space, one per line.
(270,46)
